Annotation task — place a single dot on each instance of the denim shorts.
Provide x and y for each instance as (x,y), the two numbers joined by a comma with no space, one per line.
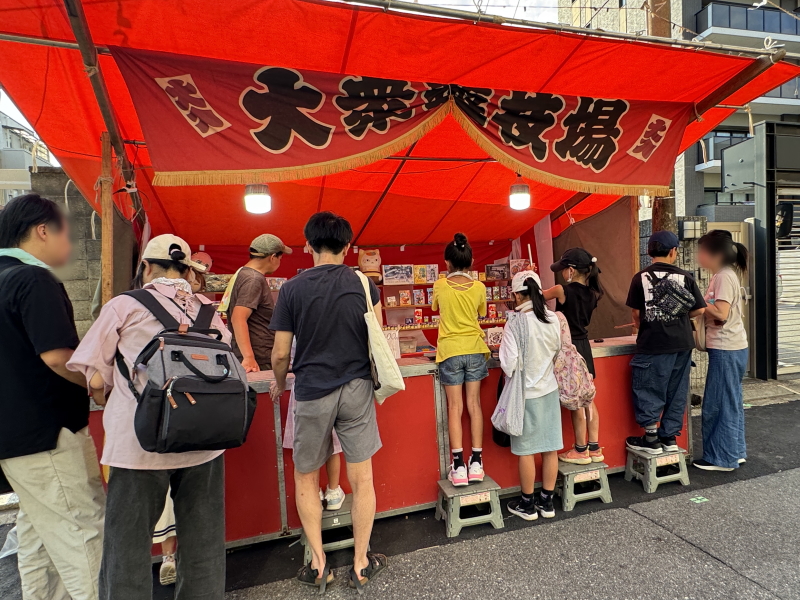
(463,369)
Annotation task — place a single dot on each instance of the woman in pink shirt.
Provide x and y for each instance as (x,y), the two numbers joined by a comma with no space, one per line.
(139,480)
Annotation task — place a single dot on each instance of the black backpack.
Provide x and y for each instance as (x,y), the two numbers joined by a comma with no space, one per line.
(670,297)
(196,397)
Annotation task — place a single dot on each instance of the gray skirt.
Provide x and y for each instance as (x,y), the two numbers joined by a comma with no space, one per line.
(541,427)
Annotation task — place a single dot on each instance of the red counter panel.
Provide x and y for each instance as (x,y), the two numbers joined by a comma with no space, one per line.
(406,468)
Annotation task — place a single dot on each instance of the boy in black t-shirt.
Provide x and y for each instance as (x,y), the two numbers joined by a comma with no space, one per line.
(663,359)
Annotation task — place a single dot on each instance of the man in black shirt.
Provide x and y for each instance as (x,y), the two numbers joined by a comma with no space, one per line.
(324,308)
(46,452)
(663,298)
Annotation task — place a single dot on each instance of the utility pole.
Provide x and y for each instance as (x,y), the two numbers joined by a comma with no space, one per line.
(659,23)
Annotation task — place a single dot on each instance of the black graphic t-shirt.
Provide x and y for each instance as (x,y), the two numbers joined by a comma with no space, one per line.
(659,333)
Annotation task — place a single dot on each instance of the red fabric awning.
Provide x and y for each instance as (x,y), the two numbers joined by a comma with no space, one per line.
(428,200)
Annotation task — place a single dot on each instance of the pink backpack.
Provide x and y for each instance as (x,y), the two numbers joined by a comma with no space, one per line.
(575,386)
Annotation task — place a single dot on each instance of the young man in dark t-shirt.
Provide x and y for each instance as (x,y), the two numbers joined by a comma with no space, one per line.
(46,452)
(324,308)
(250,305)
(663,358)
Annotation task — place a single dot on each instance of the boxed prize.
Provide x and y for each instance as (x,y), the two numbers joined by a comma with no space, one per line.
(405,297)
(432,273)
(391,301)
(419,296)
(420,274)
(517,265)
(430,296)
(418,316)
(398,275)
(500,271)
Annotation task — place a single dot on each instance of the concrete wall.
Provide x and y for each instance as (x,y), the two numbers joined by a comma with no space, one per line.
(82,275)
(723,212)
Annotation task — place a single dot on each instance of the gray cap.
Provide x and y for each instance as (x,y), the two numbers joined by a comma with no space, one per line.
(267,244)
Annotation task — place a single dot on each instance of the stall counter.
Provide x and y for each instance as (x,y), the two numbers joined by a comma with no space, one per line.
(259,483)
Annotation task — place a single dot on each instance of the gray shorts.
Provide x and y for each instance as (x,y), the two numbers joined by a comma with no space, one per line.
(350,410)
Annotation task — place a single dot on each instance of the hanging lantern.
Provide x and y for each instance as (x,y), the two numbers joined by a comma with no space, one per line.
(257,199)
(519,196)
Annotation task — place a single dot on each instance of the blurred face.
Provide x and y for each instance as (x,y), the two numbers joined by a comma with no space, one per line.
(712,262)
(55,245)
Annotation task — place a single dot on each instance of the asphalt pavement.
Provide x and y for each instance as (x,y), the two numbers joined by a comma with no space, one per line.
(727,535)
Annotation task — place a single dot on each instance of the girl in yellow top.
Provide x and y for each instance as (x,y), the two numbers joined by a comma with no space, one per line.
(462,354)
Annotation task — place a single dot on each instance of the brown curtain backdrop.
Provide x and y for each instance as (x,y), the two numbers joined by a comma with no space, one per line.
(613,237)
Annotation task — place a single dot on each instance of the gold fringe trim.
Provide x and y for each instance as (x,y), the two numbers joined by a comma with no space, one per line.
(575,185)
(246,176)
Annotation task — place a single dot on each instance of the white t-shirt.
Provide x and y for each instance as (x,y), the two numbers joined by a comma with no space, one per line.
(725,286)
(543,345)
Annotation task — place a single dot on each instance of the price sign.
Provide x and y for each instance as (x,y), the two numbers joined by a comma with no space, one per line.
(479,498)
(669,459)
(587,476)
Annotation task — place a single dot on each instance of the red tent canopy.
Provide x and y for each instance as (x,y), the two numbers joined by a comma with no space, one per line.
(427,200)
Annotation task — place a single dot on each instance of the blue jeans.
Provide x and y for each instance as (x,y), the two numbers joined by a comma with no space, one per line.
(723,408)
(465,368)
(661,389)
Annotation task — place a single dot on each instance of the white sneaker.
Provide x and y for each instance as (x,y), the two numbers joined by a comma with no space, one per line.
(741,461)
(334,498)
(168,573)
(475,472)
(458,477)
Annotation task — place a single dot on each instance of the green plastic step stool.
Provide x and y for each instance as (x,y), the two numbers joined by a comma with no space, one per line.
(642,465)
(333,519)
(570,474)
(451,499)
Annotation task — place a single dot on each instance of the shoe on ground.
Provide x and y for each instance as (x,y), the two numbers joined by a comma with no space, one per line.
(574,457)
(641,443)
(476,473)
(670,444)
(524,510)
(741,461)
(545,507)
(707,466)
(168,573)
(334,498)
(597,455)
(458,477)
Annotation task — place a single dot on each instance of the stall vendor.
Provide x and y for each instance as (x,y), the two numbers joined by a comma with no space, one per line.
(249,304)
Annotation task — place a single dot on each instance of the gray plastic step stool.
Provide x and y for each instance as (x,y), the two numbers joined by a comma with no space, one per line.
(642,465)
(451,499)
(333,520)
(570,474)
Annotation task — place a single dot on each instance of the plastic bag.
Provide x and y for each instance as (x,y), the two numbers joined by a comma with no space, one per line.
(11,544)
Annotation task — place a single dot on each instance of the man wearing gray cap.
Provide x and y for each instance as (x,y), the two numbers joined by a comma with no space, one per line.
(249,304)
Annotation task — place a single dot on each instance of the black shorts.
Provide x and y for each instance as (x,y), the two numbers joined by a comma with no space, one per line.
(585,350)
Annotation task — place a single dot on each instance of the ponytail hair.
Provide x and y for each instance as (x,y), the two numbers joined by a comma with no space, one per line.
(459,253)
(534,293)
(592,278)
(734,254)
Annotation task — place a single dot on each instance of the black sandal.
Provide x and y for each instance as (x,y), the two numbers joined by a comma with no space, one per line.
(308,576)
(377,563)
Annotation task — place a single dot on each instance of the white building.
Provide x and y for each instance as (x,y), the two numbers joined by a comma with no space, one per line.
(19,148)
(699,189)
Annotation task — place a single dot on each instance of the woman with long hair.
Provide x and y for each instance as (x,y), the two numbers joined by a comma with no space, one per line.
(724,446)
(541,424)
(462,355)
(576,300)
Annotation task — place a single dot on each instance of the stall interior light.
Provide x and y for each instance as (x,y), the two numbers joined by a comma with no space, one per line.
(519,196)
(257,199)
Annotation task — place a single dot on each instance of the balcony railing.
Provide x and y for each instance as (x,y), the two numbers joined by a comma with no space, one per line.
(789,90)
(736,16)
(716,144)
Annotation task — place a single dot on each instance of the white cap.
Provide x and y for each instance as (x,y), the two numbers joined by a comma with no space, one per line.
(518,283)
(168,247)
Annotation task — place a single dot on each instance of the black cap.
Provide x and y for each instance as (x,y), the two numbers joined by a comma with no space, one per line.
(577,258)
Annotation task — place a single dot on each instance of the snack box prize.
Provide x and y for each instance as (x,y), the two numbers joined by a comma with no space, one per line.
(398,274)
(419,296)
(432,273)
(418,316)
(491,311)
(495,293)
(420,274)
(391,301)
(405,297)
(430,296)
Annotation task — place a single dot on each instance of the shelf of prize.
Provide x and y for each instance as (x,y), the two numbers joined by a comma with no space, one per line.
(423,326)
(407,306)
(431,283)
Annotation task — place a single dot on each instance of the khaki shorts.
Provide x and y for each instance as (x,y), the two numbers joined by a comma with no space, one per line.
(350,410)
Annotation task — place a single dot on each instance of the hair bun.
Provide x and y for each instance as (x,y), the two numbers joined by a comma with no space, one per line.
(460,240)
(177,255)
